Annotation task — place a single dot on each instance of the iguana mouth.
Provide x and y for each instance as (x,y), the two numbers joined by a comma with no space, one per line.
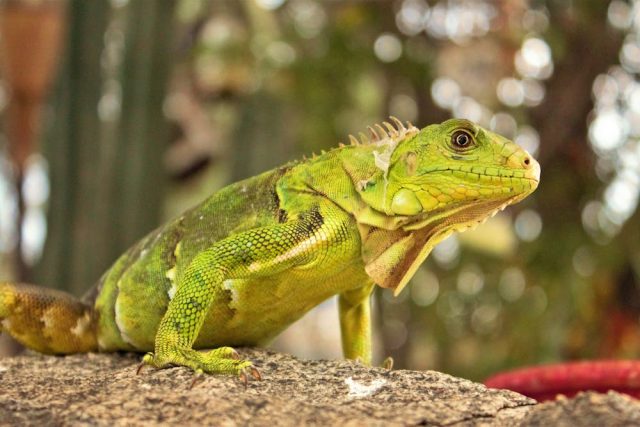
(506,180)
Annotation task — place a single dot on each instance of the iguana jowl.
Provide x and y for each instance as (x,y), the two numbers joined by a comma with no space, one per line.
(255,256)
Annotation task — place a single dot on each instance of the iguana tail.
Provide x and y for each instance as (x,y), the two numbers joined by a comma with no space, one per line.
(47,320)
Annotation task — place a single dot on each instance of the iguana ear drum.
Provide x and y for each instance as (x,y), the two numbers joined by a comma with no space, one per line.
(405,202)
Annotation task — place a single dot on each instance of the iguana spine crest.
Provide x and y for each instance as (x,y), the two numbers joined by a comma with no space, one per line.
(389,136)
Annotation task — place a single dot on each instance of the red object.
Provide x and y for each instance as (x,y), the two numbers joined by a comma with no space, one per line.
(546,382)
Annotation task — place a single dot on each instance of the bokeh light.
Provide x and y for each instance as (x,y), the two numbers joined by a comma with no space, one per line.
(388,47)
(528,225)
(510,91)
(412,16)
(608,130)
(308,16)
(529,139)
(270,4)
(512,284)
(446,252)
(425,288)
(614,130)
(445,92)
(457,21)
(35,191)
(402,105)
(485,318)
(470,280)
(584,262)
(534,59)
(619,14)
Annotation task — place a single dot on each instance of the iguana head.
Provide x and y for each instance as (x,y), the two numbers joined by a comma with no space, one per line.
(459,171)
(444,178)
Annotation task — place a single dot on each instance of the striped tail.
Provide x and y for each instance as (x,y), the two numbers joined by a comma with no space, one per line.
(47,320)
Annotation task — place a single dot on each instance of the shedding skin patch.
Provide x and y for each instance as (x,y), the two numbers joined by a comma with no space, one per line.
(228,286)
(382,160)
(48,320)
(82,325)
(119,318)
(362,184)
(387,137)
(171,275)
(172,291)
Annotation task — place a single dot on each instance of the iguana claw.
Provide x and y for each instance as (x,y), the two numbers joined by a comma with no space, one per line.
(145,361)
(388,363)
(199,375)
(249,370)
(243,378)
(255,373)
(141,366)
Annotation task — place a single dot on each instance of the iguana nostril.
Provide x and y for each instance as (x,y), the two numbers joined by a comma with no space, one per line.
(527,161)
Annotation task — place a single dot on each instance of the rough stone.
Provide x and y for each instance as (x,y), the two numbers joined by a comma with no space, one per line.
(587,409)
(103,389)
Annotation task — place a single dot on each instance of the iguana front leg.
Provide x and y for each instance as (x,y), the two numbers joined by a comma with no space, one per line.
(256,253)
(355,323)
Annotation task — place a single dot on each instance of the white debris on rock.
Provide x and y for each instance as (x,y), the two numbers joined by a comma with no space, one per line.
(358,390)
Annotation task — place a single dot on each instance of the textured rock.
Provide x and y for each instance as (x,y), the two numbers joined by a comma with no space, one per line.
(101,389)
(587,409)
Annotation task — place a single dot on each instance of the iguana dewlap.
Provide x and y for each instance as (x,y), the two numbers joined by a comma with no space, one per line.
(255,256)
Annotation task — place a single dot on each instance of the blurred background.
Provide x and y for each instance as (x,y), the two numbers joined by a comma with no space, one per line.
(119,114)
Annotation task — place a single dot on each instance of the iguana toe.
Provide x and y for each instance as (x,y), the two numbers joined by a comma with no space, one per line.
(225,353)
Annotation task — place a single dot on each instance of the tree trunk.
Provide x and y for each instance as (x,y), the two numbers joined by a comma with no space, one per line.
(106,170)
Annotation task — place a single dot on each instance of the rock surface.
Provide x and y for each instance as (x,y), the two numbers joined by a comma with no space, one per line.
(102,389)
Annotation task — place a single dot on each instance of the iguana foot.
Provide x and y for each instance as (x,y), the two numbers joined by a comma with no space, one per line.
(223,360)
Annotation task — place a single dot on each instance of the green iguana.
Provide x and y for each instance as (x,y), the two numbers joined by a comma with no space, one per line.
(255,256)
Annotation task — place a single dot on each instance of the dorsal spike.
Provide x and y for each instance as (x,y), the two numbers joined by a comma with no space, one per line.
(374,134)
(340,144)
(383,132)
(353,140)
(304,157)
(398,123)
(363,138)
(392,131)
(410,124)
(323,152)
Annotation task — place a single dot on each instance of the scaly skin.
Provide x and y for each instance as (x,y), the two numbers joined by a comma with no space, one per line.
(258,254)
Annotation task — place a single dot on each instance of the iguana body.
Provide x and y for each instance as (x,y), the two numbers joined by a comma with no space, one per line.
(258,254)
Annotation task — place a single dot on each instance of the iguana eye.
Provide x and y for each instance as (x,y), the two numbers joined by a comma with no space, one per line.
(461,140)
